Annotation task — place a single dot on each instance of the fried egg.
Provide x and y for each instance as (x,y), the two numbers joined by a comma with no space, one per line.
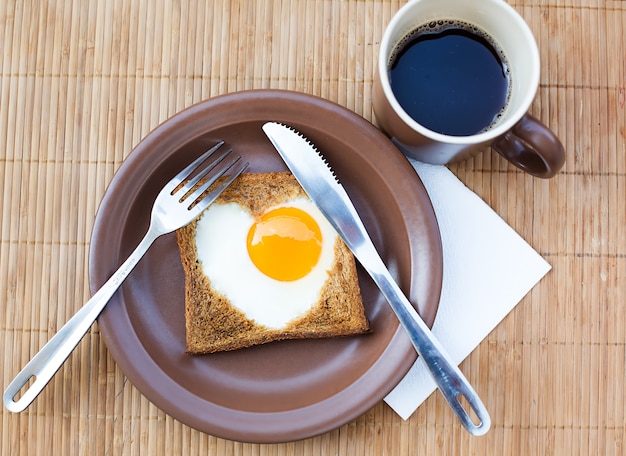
(272,267)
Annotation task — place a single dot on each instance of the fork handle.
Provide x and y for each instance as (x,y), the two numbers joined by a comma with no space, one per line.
(49,359)
(449,378)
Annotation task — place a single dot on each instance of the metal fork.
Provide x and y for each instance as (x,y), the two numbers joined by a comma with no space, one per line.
(178,204)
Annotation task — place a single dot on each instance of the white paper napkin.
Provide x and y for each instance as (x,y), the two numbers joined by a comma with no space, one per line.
(487,269)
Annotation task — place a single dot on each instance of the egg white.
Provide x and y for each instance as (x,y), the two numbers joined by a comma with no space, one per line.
(221,235)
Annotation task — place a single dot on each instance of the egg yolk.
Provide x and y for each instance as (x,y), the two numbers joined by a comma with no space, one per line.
(285,243)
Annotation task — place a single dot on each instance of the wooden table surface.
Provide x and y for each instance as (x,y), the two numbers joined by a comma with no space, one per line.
(82,82)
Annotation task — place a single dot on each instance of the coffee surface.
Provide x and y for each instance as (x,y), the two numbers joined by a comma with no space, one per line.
(451,78)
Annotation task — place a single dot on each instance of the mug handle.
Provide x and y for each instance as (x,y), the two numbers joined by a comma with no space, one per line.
(532,147)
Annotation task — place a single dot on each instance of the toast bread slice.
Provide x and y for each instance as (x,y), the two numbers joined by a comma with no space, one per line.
(213,324)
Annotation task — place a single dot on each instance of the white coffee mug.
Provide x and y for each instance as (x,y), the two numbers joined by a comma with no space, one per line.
(518,136)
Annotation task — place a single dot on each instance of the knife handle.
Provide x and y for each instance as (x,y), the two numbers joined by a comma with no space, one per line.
(449,378)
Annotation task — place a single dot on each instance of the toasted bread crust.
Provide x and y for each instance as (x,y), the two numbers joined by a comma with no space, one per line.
(213,324)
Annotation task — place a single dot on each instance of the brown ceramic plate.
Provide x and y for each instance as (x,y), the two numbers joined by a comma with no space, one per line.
(281,391)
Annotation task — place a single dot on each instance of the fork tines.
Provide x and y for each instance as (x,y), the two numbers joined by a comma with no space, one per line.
(194,189)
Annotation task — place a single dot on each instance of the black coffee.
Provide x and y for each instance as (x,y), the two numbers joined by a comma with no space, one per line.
(450,77)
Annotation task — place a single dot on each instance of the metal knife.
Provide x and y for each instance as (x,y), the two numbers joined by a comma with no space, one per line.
(320,183)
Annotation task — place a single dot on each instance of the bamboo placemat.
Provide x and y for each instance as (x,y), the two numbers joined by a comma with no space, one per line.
(82,82)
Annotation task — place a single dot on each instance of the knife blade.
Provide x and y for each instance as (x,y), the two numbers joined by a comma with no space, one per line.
(323,187)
